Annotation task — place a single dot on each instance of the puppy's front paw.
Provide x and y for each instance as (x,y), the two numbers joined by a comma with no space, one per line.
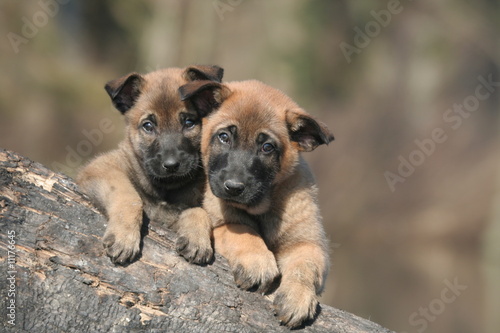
(122,247)
(295,304)
(197,251)
(255,270)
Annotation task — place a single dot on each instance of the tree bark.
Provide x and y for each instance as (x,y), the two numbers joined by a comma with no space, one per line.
(50,244)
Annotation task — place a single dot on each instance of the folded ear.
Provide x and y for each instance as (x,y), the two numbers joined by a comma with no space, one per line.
(307,132)
(204,96)
(201,72)
(124,91)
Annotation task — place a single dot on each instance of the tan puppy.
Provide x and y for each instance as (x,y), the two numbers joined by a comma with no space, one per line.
(262,195)
(157,168)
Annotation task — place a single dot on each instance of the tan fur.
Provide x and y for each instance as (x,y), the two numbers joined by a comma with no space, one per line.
(287,223)
(118,183)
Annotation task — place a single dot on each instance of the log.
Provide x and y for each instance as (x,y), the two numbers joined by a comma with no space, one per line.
(57,278)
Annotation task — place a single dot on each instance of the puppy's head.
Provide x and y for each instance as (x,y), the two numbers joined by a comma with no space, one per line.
(253,141)
(162,131)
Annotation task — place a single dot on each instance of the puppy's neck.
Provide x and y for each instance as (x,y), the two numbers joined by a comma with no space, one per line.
(262,208)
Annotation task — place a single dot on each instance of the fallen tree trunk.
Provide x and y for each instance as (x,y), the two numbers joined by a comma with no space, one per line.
(56,277)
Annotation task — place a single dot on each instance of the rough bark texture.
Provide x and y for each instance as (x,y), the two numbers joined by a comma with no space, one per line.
(65,282)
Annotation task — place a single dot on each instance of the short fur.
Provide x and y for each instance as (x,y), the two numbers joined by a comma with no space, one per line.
(262,195)
(156,170)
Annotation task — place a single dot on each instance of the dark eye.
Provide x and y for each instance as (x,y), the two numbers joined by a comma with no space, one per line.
(224,137)
(268,147)
(189,123)
(148,126)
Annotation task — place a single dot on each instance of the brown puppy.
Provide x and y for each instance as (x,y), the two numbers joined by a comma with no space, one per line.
(157,168)
(262,195)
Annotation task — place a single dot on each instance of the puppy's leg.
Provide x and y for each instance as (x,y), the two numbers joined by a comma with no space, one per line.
(303,269)
(194,236)
(111,189)
(251,261)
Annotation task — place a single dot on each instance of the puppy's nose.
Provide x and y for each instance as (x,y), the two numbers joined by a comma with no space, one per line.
(234,187)
(171,164)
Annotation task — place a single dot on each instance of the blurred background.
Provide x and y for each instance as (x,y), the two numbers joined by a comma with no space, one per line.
(410,188)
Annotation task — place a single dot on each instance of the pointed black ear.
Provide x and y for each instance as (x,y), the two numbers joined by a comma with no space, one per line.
(306,131)
(125,91)
(204,96)
(201,72)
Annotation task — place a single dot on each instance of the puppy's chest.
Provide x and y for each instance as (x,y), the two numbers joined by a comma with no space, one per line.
(271,229)
(167,206)
(163,212)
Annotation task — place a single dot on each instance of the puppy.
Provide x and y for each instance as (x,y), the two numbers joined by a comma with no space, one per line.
(262,195)
(156,170)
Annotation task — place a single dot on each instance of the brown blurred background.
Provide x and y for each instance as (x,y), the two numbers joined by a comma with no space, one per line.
(420,255)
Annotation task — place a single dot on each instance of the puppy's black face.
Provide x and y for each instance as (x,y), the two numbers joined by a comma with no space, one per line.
(165,135)
(170,154)
(242,166)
